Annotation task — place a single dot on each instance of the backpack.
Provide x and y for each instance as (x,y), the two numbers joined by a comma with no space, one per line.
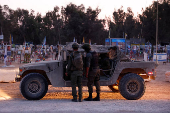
(77,60)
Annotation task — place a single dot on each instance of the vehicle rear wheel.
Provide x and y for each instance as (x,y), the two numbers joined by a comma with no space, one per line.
(34,86)
(132,86)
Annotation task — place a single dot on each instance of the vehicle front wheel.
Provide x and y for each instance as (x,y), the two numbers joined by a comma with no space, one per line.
(33,86)
(132,86)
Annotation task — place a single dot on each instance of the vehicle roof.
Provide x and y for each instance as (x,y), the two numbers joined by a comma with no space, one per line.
(97,48)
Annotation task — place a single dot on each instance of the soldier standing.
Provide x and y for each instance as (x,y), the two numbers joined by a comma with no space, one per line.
(75,65)
(92,72)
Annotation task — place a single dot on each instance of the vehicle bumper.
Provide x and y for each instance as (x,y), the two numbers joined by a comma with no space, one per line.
(152,77)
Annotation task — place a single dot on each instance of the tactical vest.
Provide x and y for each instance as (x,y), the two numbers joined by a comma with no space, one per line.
(94,61)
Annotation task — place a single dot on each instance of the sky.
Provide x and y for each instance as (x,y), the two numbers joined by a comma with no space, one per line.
(107,6)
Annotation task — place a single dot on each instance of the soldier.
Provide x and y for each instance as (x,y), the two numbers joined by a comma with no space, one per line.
(75,65)
(116,55)
(112,52)
(92,72)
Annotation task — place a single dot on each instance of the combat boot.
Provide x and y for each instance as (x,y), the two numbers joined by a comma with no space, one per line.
(89,98)
(97,98)
(80,98)
(74,99)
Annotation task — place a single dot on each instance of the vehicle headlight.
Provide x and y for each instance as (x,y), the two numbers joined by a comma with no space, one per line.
(18,76)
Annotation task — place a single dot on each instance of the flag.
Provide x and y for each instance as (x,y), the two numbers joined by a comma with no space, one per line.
(1,31)
(125,35)
(90,41)
(10,39)
(83,40)
(1,37)
(5,55)
(74,39)
(44,41)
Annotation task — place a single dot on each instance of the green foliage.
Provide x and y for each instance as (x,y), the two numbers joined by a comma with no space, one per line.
(62,25)
(148,18)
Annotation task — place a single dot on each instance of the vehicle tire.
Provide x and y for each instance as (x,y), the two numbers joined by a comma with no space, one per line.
(33,86)
(132,86)
(112,87)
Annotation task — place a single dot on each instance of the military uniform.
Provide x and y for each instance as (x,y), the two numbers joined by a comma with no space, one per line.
(117,55)
(76,78)
(94,73)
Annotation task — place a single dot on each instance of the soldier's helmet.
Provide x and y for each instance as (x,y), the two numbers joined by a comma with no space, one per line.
(75,45)
(86,46)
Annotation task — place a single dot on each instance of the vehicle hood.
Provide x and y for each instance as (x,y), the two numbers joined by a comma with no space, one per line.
(43,65)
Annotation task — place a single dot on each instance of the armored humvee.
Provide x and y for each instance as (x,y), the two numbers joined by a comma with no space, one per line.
(123,73)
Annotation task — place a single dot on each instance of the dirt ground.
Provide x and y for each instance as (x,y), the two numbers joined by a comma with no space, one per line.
(158,89)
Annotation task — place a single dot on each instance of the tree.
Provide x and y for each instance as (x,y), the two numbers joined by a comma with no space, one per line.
(76,21)
(122,23)
(148,18)
(129,24)
(79,24)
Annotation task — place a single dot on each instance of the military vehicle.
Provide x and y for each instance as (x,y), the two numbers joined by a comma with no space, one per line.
(128,76)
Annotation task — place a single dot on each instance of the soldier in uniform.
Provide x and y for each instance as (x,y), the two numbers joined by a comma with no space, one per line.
(112,52)
(116,55)
(92,72)
(76,75)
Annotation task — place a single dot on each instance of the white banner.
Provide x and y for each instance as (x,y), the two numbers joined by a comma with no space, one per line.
(26,51)
(160,56)
(145,56)
(2,37)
